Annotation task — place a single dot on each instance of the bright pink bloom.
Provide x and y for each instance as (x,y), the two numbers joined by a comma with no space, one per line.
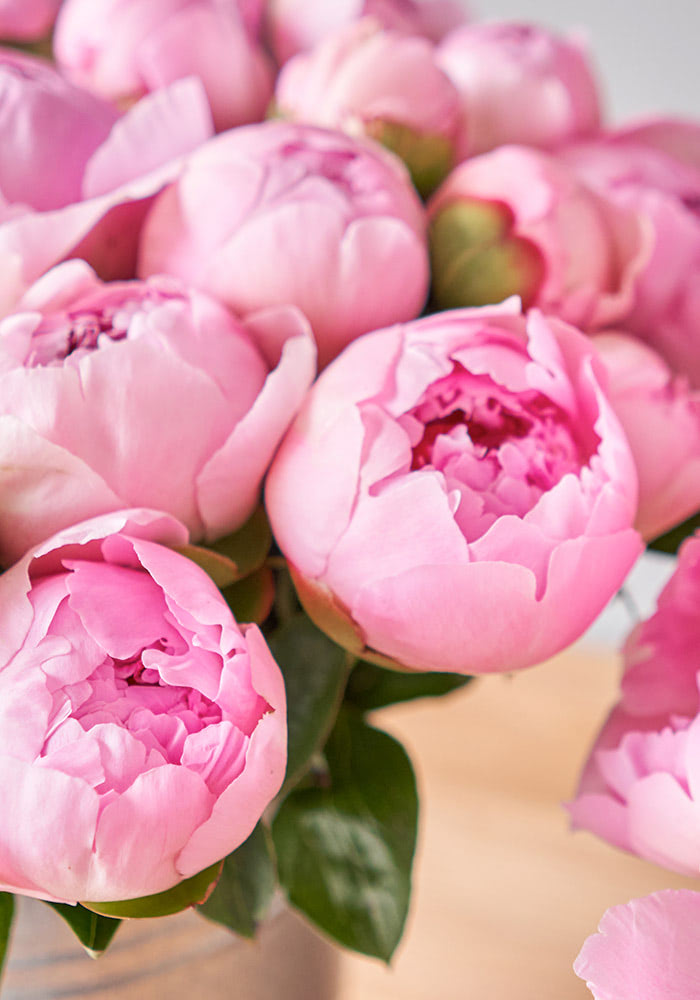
(298,25)
(86,181)
(27,20)
(139,394)
(654,170)
(279,214)
(123,49)
(660,413)
(456,493)
(645,950)
(520,83)
(518,221)
(363,79)
(143,731)
(640,788)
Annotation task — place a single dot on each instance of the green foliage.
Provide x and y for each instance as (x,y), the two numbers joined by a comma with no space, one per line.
(242,895)
(371,687)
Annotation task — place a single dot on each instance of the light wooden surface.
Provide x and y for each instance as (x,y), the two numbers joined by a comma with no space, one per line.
(504,893)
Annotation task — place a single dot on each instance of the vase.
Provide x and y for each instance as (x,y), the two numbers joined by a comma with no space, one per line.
(183,956)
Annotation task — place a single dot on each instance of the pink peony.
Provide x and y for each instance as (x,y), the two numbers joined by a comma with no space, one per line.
(279,214)
(82,186)
(639,789)
(27,20)
(365,80)
(520,83)
(456,493)
(139,394)
(655,171)
(660,413)
(123,49)
(143,731)
(517,221)
(645,950)
(298,25)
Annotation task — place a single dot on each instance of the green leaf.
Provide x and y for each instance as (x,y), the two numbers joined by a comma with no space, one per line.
(7,912)
(245,887)
(236,556)
(251,599)
(671,541)
(372,687)
(315,671)
(161,904)
(344,852)
(92,930)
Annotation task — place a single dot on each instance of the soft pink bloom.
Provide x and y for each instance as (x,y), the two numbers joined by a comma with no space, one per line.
(640,788)
(278,214)
(456,493)
(660,413)
(518,221)
(655,171)
(645,950)
(123,49)
(84,187)
(143,731)
(520,83)
(363,79)
(298,25)
(139,394)
(27,20)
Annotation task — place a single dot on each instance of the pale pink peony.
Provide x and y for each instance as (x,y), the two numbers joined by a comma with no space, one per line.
(517,221)
(456,493)
(640,787)
(139,394)
(654,170)
(143,731)
(27,20)
(365,80)
(298,25)
(519,83)
(279,214)
(123,49)
(660,413)
(645,950)
(77,179)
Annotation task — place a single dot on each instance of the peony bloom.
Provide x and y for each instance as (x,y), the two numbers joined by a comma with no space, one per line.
(639,789)
(520,84)
(456,493)
(27,20)
(138,394)
(660,413)
(654,170)
(143,731)
(280,214)
(364,80)
(298,25)
(518,222)
(82,186)
(123,49)
(645,950)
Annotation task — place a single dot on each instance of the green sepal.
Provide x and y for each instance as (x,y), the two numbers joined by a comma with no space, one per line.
(94,931)
(188,893)
(7,912)
(235,556)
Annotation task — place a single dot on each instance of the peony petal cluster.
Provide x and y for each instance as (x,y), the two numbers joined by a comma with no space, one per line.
(280,214)
(143,731)
(660,413)
(520,83)
(640,789)
(646,949)
(518,221)
(456,493)
(123,49)
(365,80)
(139,394)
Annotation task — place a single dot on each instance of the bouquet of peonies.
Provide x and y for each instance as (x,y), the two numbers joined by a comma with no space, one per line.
(500,297)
